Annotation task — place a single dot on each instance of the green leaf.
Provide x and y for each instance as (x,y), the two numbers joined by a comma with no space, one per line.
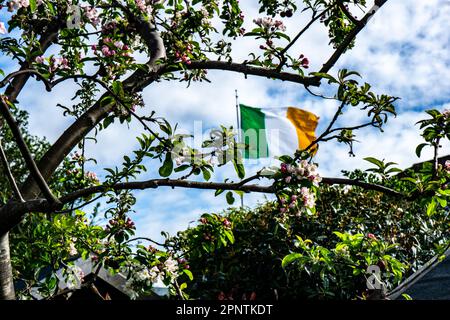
(230,236)
(419,149)
(290,258)
(282,35)
(240,169)
(206,173)
(182,168)
(33,5)
(230,198)
(167,167)
(442,202)
(431,208)
(375,161)
(108,120)
(189,274)
(183,286)
(406,296)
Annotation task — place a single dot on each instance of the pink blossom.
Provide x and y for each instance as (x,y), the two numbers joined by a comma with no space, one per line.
(371,236)
(446,113)
(58,63)
(447,166)
(226,223)
(119,45)
(40,59)
(106,52)
(92,15)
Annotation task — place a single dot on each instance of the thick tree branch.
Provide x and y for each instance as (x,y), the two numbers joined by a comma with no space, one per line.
(6,276)
(13,211)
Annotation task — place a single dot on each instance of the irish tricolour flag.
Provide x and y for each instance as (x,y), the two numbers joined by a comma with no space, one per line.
(273,132)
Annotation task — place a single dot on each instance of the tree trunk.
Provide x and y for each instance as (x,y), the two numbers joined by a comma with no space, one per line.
(6,277)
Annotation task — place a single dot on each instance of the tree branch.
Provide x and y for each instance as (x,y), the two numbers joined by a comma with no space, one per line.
(347,13)
(330,126)
(23,147)
(256,71)
(12,211)
(26,72)
(46,40)
(9,174)
(301,32)
(351,36)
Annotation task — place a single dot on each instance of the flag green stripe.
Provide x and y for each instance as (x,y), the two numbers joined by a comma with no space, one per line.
(253,127)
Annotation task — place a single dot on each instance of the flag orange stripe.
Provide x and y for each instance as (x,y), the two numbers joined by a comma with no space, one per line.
(305,124)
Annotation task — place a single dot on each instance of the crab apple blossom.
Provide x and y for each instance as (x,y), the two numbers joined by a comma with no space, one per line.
(371,236)
(270,24)
(447,166)
(308,197)
(446,113)
(92,15)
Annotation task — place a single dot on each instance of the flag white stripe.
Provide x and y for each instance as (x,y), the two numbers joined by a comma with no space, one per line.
(280,132)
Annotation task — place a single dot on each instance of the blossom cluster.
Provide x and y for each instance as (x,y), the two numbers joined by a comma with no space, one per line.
(120,223)
(146,6)
(184,56)
(92,177)
(446,113)
(447,166)
(304,62)
(305,197)
(142,277)
(270,24)
(91,14)
(17,4)
(303,171)
(112,48)
(55,63)
(74,277)
(205,17)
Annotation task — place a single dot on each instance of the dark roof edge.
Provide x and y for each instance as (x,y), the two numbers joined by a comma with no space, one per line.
(416,276)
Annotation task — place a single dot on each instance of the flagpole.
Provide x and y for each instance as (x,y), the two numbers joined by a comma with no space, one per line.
(239,132)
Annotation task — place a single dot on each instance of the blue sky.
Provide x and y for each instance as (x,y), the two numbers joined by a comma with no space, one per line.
(404,52)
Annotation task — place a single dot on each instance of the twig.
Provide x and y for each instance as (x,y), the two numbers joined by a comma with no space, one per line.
(9,174)
(301,32)
(347,13)
(330,126)
(13,75)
